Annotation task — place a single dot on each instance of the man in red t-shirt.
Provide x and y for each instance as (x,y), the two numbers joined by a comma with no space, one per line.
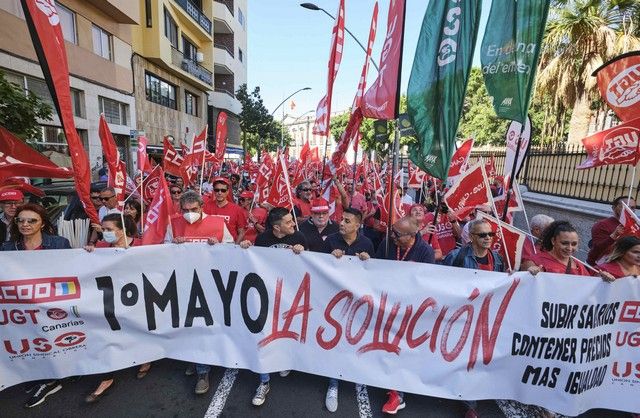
(218,204)
(448,229)
(605,232)
(256,219)
(302,201)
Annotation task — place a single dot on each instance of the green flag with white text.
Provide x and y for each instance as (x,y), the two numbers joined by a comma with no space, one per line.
(438,81)
(509,54)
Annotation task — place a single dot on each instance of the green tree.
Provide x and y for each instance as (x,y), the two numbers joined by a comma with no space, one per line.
(19,112)
(259,129)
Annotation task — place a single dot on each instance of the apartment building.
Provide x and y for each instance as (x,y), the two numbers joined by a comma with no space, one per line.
(229,66)
(98,42)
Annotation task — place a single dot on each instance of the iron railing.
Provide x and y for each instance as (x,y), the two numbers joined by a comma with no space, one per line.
(553,171)
(190,66)
(197,15)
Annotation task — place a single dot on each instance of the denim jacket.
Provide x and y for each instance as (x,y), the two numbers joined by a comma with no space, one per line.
(469,261)
(49,242)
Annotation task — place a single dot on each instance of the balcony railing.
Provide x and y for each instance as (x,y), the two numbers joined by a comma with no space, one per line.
(221,45)
(197,15)
(190,66)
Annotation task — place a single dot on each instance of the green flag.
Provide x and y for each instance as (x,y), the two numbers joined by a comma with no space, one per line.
(509,54)
(439,79)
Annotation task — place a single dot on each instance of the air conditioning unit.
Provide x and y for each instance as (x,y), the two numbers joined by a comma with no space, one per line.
(199,57)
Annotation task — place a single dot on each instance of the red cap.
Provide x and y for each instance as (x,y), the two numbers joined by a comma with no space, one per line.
(319,205)
(11,195)
(221,180)
(246,195)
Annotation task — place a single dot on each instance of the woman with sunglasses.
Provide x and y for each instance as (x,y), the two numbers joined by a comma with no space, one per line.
(115,234)
(31,229)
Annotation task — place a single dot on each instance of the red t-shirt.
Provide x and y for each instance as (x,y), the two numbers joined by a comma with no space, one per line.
(305,207)
(208,227)
(260,215)
(601,241)
(551,265)
(176,208)
(529,251)
(104,244)
(613,268)
(435,243)
(234,216)
(444,232)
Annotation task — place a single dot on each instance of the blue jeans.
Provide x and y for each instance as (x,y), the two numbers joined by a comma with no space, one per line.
(264,377)
(202,368)
(333,382)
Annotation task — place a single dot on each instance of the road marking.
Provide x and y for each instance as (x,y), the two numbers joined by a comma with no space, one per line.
(222,392)
(364,407)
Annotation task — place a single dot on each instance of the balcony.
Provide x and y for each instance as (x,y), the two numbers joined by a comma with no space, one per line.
(192,67)
(222,45)
(227,3)
(223,20)
(197,15)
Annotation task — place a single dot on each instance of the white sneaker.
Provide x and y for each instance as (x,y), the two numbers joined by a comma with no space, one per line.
(285,373)
(261,394)
(331,400)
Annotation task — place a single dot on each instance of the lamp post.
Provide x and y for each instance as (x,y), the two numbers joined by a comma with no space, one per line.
(278,107)
(312,6)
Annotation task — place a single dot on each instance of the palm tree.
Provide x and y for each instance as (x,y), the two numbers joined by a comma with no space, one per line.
(581,35)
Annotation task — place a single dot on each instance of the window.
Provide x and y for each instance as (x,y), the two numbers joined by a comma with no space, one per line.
(159,91)
(240,17)
(101,42)
(147,12)
(39,88)
(77,102)
(114,112)
(240,56)
(190,103)
(189,50)
(67,23)
(170,29)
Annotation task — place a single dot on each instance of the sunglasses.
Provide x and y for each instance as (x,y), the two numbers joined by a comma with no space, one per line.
(95,197)
(485,234)
(30,221)
(175,192)
(306,190)
(220,190)
(104,199)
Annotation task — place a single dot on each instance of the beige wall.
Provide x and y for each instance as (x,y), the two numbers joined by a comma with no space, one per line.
(158,121)
(83,62)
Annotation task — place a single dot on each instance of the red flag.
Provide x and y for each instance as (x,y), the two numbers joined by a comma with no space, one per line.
(46,33)
(280,192)
(143,158)
(506,235)
(629,221)
(416,177)
(380,101)
(198,149)
(20,183)
(30,163)
(343,145)
(221,135)
(384,202)
(460,159)
(617,145)
(157,216)
(315,157)
(469,191)
(171,159)
(301,167)
(619,84)
(150,185)
(323,112)
(266,170)
(117,169)
(490,167)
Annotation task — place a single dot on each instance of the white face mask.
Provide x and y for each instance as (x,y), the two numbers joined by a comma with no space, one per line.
(109,236)
(191,217)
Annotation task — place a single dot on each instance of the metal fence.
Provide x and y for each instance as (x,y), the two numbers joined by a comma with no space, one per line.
(553,171)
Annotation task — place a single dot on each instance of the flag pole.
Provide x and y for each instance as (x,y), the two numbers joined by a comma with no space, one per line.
(394,169)
(204,151)
(493,205)
(285,174)
(141,198)
(633,180)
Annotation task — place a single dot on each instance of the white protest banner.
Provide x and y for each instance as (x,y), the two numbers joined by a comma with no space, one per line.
(568,343)
(513,133)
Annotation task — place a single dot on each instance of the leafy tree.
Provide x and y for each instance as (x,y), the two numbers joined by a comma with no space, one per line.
(19,112)
(259,129)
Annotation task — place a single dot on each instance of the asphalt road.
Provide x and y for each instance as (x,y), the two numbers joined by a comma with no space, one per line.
(167,392)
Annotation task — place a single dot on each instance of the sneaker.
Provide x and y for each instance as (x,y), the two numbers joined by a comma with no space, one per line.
(202,386)
(285,373)
(261,394)
(190,370)
(331,400)
(394,403)
(471,413)
(42,392)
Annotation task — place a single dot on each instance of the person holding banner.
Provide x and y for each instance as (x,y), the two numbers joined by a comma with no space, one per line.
(196,226)
(30,230)
(282,234)
(624,260)
(318,227)
(559,244)
(605,232)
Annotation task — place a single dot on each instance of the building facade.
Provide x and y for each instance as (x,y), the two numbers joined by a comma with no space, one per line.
(98,43)
(229,65)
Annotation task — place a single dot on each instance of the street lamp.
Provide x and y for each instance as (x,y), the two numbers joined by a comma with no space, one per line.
(278,107)
(312,6)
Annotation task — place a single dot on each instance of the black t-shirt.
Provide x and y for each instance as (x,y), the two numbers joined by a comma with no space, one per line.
(314,238)
(267,239)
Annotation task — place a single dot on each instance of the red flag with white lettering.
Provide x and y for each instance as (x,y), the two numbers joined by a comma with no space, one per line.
(150,185)
(221,136)
(280,191)
(618,81)
(469,191)
(198,149)
(629,221)
(44,26)
(117,169)
(143,158)
(460,159)
(381,100)
(323,112)
(157,217)
(617,145)
(490,167)
(171,159)
(508,236)
(416,177)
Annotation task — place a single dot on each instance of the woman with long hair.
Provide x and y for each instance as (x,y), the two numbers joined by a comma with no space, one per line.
(559,243)
(134,209)
(624,260)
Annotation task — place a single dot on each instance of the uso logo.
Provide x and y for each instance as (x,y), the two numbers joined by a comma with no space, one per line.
(56,314)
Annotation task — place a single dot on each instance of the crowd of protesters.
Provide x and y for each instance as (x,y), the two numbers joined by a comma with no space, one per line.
(224,210)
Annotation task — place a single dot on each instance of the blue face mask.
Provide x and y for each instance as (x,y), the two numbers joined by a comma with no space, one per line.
(109,236)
